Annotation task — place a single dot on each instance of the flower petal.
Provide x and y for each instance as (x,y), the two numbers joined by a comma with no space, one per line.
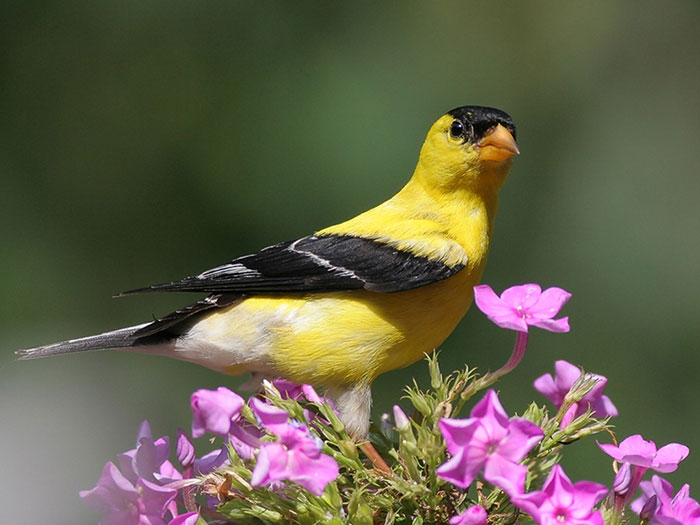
(552,325)
(458,470)
(566,375)
(546,386)
(488,302)
(185,519)
(112,493)
(272,418)
(505,474)
(313,474)
(457,432)
(523,296)
(154,498)
(550,302)
(211,461)
(523,435)
(669,456)
(510,322)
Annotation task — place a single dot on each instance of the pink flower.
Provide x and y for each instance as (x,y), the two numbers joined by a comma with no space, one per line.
(214,411)
(211,461)
(474,515)
(522,306)
(149,460)
(556,388)
(636,451)
(295,391)
(562,502)
(295,457)
(660,507)
(185,519)
(125,503)
(641,455)
(269,416)
(488,440)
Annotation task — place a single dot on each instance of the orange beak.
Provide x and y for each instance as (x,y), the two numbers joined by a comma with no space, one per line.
(498,145)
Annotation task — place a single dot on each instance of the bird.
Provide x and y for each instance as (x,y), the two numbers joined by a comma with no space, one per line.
(343,305)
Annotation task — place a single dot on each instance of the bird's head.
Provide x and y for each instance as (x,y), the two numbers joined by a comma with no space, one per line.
(469,147)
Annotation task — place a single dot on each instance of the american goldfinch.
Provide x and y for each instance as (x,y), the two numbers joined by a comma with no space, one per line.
(352,301)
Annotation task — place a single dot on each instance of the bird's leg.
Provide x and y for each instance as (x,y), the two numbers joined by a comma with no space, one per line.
(375,458)
(354,404)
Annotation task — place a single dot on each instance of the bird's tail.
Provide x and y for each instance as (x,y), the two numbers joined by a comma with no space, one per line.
(122,338)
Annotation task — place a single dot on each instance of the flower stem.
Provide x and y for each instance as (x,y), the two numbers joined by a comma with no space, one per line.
(491,377)
(188,493)
(515,357)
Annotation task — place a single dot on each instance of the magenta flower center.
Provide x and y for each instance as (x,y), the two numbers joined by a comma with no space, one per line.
(522,313)
(492,447)
(561,515)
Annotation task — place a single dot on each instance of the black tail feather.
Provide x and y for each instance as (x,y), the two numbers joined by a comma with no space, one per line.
(153,333)
(123,338)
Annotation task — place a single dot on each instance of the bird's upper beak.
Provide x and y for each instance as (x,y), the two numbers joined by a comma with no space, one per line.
(498,145)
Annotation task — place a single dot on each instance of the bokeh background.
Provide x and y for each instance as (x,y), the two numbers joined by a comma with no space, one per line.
(146,141)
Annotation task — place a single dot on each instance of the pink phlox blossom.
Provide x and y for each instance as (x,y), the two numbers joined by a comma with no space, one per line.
(190,518)
(295,391)
(522,306)
(214,411)
(488,440)
(474,515)
(149,460)
(269,416)
(211,461)
(556,388)
(636,451)
(562,502)
(295,457)
(661,507)
(127,503)
(245,440)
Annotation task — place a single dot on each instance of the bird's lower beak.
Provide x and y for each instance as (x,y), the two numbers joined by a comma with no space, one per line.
(498,145)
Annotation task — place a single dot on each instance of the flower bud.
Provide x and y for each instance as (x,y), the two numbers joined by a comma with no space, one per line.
(184,449)
(569,416)
(621,485)
(421,405)
(348,448)
(475,515)
(401,420)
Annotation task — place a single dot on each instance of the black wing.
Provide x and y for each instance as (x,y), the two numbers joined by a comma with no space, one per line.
(166,327)
(318,263)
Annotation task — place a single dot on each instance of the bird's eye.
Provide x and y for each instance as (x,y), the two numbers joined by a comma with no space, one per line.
(457,130)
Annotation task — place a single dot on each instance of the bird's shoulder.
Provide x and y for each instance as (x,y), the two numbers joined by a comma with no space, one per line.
(421,232)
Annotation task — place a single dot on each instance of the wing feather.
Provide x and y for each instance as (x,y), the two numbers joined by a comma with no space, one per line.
(317,263)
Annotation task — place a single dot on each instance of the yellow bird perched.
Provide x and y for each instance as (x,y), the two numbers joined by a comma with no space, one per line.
(352,301)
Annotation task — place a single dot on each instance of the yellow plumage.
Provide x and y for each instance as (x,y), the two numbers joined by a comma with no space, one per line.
(343,339)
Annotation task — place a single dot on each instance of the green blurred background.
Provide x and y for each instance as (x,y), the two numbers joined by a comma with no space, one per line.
(143,142)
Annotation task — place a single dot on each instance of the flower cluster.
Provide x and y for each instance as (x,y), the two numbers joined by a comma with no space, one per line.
(490,441)
(147,488)
(285,456)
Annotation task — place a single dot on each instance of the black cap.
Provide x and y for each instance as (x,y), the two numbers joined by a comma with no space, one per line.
(478,120)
